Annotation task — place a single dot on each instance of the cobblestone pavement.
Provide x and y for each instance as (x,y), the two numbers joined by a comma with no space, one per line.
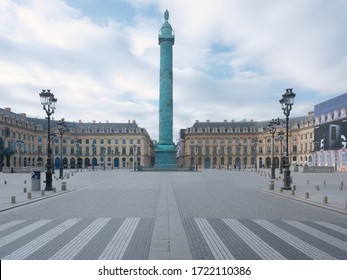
(213,214)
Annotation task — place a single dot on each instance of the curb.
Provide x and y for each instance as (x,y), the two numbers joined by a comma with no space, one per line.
(341,211)
(35,200)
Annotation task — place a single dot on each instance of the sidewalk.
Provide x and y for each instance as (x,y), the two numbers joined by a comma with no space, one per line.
(312,188)
(329,186)
(16,189)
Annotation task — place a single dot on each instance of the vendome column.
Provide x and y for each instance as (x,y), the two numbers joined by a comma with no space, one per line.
(165,152)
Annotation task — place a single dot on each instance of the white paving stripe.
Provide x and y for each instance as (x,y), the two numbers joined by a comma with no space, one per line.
(120,241)
(70,250)
(264,250)
(216,245)
(299,244)
(9,224)
(40,241)
(333,227)
(21,232)
(319,234)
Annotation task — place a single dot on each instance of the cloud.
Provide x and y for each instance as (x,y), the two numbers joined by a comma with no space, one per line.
(232,59)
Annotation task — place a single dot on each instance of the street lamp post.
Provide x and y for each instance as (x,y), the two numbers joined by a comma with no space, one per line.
(272,129)
(62,129)
(53,137)
(287,102)
(48,101)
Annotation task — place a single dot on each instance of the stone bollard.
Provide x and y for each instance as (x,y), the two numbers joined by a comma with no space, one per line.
(5,182)
(68,176)
(307,195)
(308,182)
(341,187)
(293,192)
(324,182)
(317,188)
(54,189)
(29,195)
(25,181)
(63,186)
(42,192)
(13,199)
(271,185)
(325,199)
(294,187)
(24,189)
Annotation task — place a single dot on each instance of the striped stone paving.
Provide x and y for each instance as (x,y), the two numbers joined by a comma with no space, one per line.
(208,238)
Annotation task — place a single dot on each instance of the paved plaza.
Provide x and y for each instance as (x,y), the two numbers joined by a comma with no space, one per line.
(212,214)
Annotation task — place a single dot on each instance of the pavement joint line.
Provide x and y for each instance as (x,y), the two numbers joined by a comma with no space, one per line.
(118,244)
(319,234)
(71,249)
(22,232)
(333,227)
(42,240)
(294,241)
(264,250)
(307,201)
(218,248)
(10,224)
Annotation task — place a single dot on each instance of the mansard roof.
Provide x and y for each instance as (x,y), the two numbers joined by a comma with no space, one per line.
(245,124)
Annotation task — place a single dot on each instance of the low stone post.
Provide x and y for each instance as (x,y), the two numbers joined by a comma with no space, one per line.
(307,195)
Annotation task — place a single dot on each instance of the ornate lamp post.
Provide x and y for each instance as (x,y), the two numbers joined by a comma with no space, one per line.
(48,101)
(272,129)
(62,129)
(287,102)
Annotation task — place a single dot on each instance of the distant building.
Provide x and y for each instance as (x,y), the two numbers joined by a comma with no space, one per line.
(245,144)
(331,132)
(23,143)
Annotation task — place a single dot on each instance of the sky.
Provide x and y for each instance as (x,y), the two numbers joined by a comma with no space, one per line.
(232,59)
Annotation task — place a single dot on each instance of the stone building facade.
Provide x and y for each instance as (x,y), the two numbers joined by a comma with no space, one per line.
(245,144)
(83,145)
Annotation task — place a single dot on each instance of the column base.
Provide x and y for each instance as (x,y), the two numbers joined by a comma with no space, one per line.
(165,157)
